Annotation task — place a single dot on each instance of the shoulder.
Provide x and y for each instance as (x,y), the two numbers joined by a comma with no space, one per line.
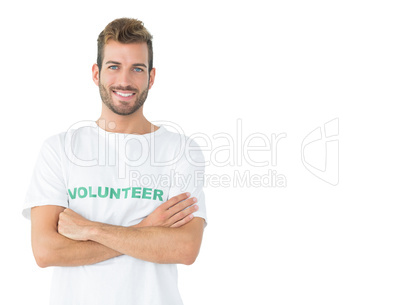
(178,138)
(63,141)
(54,143)
(186,146)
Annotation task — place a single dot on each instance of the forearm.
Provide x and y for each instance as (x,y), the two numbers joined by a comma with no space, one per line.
(57,250)
(170,234)
(155,244)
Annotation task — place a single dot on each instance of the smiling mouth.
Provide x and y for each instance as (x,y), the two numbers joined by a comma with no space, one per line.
(124,94)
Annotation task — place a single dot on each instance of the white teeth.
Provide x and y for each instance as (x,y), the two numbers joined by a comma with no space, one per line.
(124,94)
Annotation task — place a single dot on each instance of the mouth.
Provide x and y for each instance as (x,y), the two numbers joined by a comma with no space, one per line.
(124,95)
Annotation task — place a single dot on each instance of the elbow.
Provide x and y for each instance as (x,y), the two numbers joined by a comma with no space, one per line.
(46,250)
(42,264)
(42,255)
(41,259)
(191,245)
(189,260)
(190,254)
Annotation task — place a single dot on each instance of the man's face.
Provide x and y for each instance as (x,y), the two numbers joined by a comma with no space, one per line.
(124,80)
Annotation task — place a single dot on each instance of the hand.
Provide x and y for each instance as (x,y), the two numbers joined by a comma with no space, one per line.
(73,225)
(175,212)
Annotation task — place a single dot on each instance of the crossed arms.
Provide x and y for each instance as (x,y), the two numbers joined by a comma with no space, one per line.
(169,235)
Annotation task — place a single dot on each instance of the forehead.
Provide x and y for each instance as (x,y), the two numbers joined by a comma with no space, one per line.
(126,53)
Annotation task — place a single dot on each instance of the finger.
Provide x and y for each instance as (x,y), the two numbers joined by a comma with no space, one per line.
(66,212)
(70,212)
(182,205)
(62,215)
(174,200)
(183,221)
(183,214)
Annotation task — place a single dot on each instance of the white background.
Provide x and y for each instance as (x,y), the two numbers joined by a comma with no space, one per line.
(279,66)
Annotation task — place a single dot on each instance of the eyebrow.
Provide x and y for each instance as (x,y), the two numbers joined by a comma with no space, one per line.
(118,63)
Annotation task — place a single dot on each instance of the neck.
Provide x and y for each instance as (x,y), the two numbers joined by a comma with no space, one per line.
(135,123)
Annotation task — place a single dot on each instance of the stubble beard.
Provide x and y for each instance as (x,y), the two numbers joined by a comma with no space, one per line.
(106,96)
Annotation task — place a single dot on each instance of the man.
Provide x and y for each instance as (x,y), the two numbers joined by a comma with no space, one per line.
(113,236)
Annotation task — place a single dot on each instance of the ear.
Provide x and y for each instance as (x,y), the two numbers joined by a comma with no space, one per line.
(95,74)
(151,78)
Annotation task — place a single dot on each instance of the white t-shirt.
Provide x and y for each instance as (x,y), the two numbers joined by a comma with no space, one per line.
(117,179)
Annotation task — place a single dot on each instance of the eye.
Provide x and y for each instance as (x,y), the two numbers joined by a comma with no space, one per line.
(113,67)
(138,69)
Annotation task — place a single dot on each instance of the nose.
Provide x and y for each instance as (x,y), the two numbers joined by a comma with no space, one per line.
(124,78)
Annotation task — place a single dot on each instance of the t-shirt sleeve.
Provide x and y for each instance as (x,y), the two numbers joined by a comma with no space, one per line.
(189,177)
(47,187)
